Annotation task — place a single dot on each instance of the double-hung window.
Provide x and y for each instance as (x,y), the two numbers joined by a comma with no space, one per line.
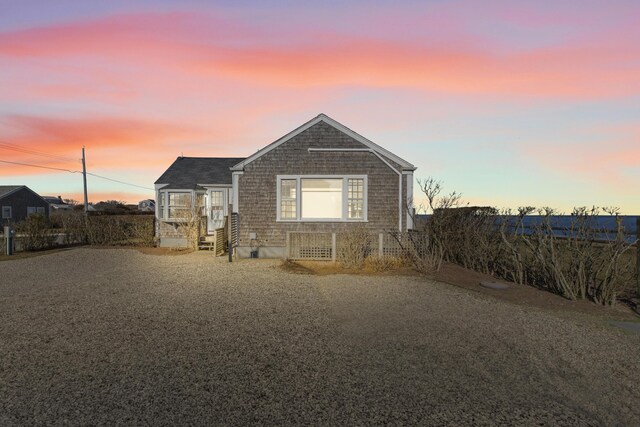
(161,204)
(322,198)
(6,212)
(179,204)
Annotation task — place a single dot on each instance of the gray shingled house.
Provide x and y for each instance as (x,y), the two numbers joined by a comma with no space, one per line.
(17,202)
(319,178)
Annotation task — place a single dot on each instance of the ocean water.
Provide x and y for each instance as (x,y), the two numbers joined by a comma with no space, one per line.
(604,225)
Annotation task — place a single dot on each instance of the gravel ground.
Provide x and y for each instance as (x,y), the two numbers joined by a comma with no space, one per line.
(110,336)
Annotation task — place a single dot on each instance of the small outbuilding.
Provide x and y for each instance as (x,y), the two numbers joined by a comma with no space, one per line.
(17,202)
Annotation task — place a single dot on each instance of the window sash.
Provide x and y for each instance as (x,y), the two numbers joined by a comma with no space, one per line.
(6,212)
(321,198)
(178,204)
(288,195)
(355,198)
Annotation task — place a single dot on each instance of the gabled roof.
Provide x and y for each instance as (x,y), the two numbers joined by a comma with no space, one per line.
(189,172)
(324,118)
(5,190)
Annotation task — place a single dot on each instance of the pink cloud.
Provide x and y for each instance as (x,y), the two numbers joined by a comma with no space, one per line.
(576,71)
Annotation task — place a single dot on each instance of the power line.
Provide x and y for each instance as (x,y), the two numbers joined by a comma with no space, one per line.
(8,146)
(120,182)
(38,166)
(70,171)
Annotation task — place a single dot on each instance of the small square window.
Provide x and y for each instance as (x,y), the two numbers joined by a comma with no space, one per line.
(6,212)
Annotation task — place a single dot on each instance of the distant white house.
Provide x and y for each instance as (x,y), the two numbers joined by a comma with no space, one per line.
(147,205)
(57,204)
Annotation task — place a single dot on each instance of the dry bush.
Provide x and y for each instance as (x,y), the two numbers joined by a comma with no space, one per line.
(384,263)
(107,230)
(74,227)
(572,259)
(190,223)
(419,249)
(126,230)
(354,246)
(35,233)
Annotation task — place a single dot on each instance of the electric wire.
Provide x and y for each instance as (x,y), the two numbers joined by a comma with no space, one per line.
(8,146)
(71,171)
(39,166)
(120,182)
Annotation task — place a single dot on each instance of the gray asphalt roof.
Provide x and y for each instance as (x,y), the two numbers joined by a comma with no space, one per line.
(187,172)
(6,189)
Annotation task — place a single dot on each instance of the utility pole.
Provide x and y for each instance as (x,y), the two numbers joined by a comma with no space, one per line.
(84,179)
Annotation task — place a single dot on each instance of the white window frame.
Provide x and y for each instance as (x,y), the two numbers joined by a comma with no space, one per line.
(164,216)
(345,198)
(31,210)
(4,208)
(40,210)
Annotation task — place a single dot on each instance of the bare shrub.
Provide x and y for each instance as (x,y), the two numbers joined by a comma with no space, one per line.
(125,230)
(190,223)
(381,264)
(142,231)
(420,250)
(354,246)
(573,261)
(35,233)
(574,258)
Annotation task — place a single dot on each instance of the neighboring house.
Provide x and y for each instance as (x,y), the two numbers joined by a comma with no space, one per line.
(320,177)
(147,205)
(57,204)
(19,201)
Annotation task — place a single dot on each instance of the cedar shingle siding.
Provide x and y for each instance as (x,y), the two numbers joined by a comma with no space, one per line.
(257,185)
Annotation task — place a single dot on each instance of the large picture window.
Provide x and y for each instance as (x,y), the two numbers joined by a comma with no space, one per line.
(322,198)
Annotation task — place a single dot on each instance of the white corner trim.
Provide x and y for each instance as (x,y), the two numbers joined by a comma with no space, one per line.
(410,224)
(339,126)
(235,183)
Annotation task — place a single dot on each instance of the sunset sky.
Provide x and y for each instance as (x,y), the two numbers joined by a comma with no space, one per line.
(508,102)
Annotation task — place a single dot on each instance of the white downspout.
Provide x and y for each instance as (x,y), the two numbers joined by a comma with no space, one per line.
(369,150)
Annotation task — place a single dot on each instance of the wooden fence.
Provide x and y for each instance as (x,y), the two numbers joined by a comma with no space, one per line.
(327,246)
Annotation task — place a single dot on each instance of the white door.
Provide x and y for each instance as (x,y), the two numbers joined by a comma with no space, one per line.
(216,210)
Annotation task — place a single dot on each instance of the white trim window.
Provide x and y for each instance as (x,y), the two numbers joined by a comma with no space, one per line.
(161,203)
(355,198)
(40,210)
(321,198)
(288,204)
(179,203)
(6,212)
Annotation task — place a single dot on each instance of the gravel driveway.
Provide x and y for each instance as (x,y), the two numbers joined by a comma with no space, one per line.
(110,336)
